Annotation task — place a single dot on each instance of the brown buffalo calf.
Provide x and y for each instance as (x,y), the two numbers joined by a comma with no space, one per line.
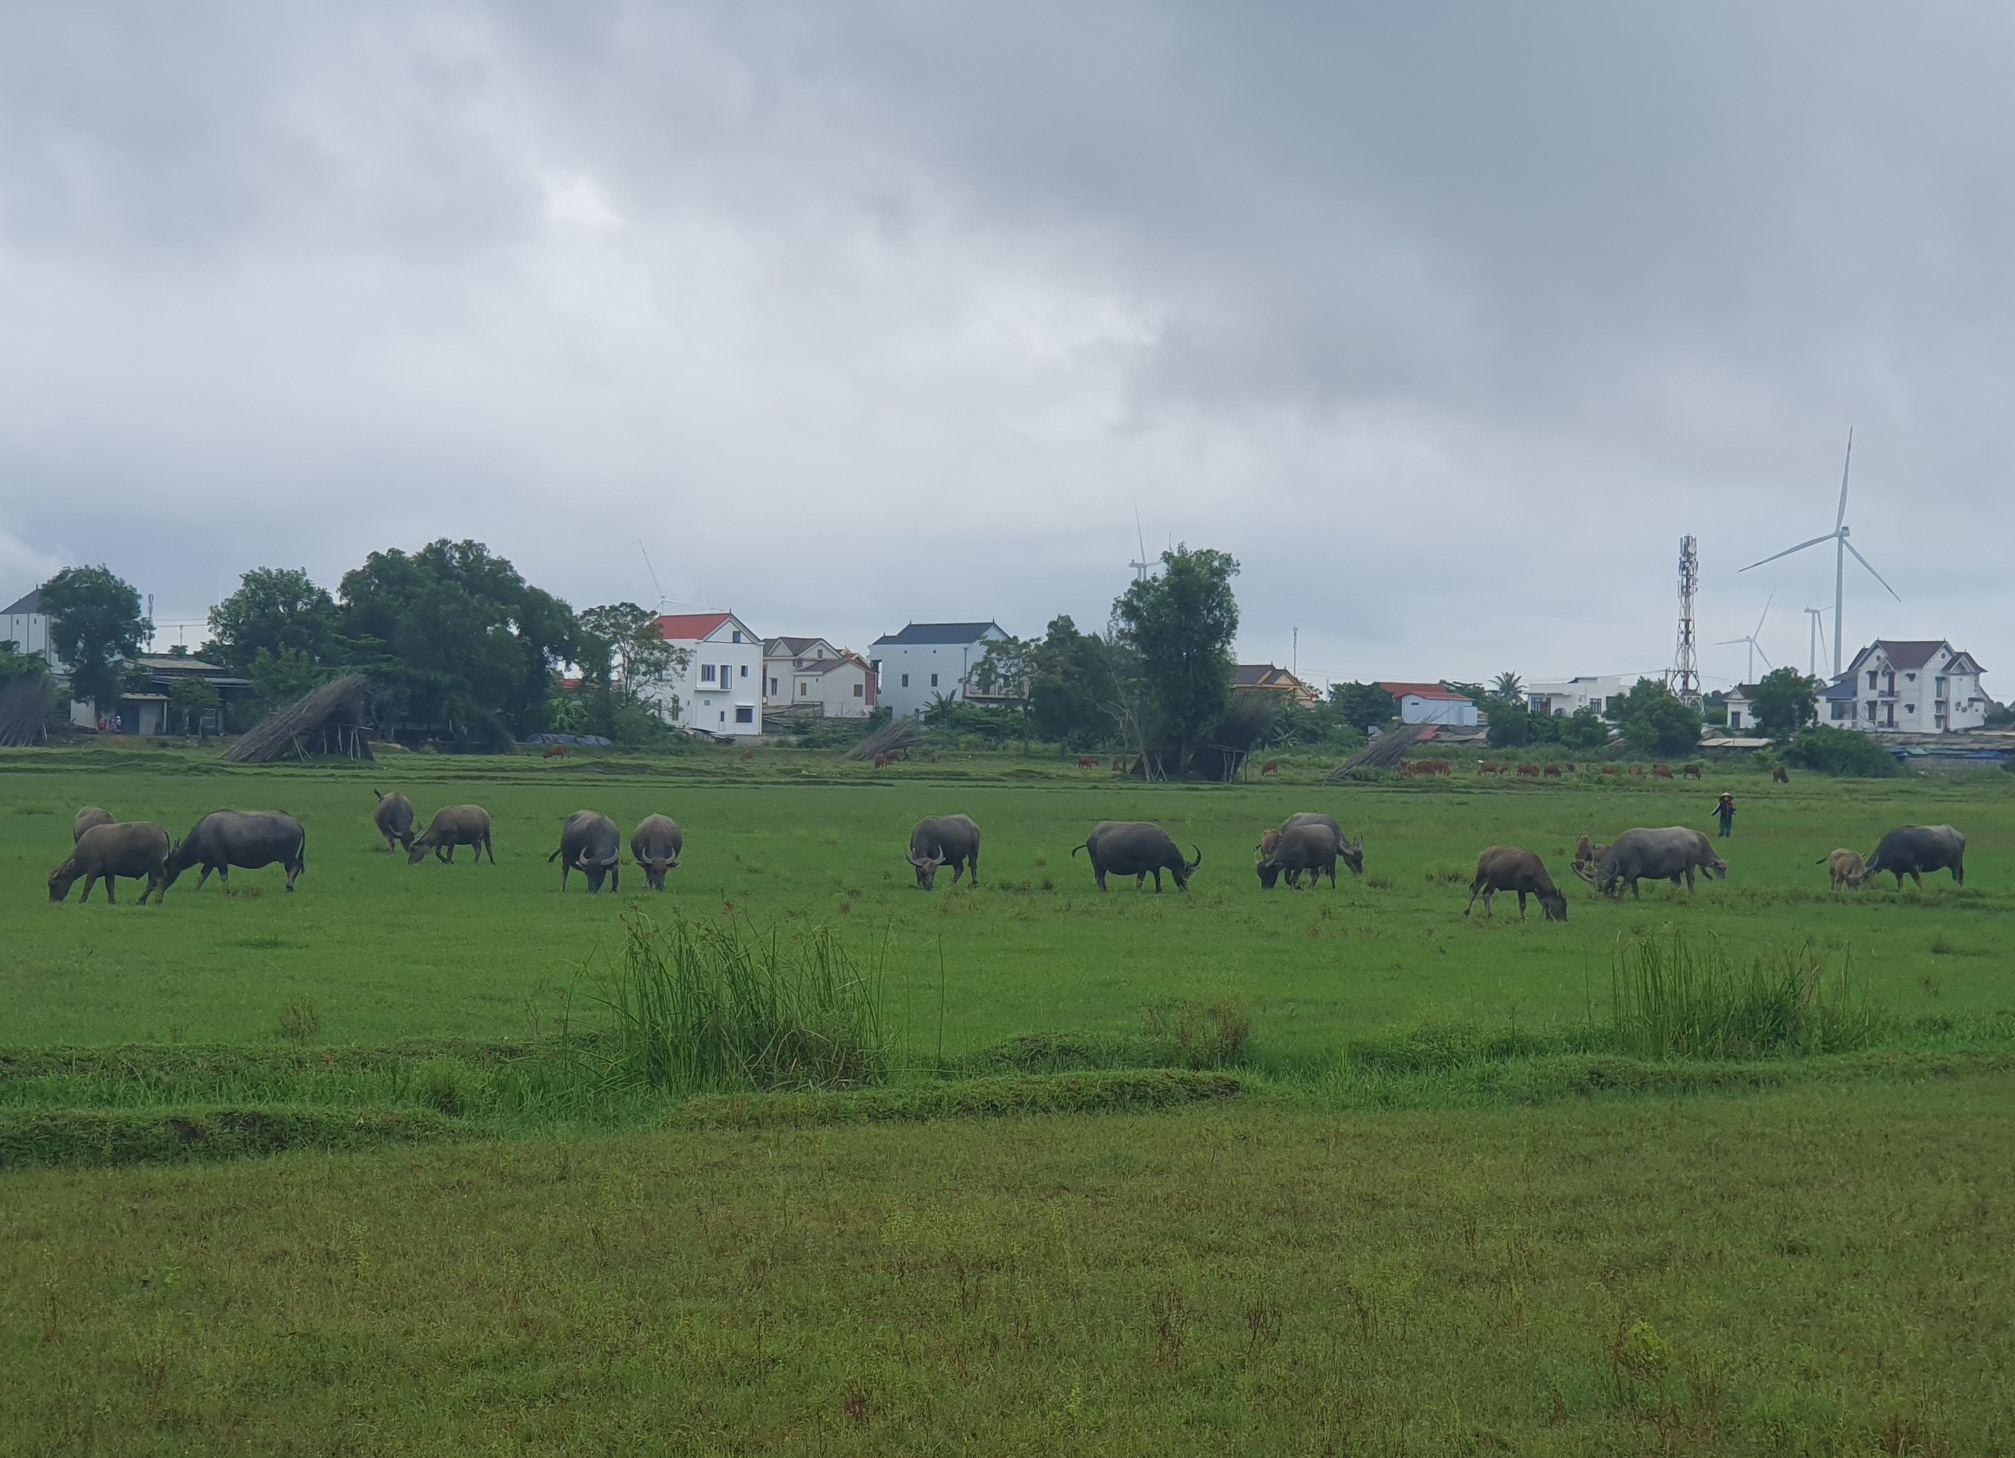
(1780,774)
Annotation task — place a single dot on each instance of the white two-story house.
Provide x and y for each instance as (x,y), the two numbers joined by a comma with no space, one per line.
(720,689)
(1908,687)
(23,624)
(784,656)
(925,660)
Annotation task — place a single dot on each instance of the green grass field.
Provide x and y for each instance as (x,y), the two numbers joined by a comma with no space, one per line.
(1430,1206)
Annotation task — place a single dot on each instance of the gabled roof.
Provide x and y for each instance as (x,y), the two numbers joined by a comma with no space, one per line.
(827,665)
(1841,688)
(1911,653)
(1400,690)
(28,602)
(938,633)
(790,647)
(1743,691)
(690,625)
(1962,662)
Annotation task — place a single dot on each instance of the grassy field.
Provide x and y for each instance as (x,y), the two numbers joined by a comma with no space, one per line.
(382,950)
(1434,1201)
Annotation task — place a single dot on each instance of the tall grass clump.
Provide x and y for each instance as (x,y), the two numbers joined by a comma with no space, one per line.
(722,1007)
(1675,999)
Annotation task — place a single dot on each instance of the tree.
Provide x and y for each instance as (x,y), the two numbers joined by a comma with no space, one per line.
(16,664)
(1181,623)
(622,650)
(1508,685)
(1834,751)
(1585,728)
(275,610)
(1510,723)
(1071,689)
(1786,700)
(280,678)
(1003,673)
(190,699)
(94,622)
(1654,721)
(1363,706)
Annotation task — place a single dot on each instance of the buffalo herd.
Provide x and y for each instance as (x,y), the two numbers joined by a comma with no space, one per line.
(1302,849)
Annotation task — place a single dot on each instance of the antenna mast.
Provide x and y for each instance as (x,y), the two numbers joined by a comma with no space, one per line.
(1684,679)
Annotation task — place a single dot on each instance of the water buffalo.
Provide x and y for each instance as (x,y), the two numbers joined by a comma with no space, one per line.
(1310,847)
(1910,850)
(1350,852)
(1845,868)
(940,840)
(655,846)
(590,844)
(1509,868)
(394,819)
(248,839)
(88,817)
(1135,848)
(103,852)
(1665,854)
(455,825)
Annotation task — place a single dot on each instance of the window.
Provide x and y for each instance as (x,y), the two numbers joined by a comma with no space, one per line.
(934,680)
(727,674)
(745,670)
(706,673)
(735,636)
(773,688)
(1872,679)
(906,680)
(857,689)
(803,688)
(797,663)
(745,713)
(724,716)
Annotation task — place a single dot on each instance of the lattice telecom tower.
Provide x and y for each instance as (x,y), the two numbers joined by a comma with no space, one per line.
(1684,680)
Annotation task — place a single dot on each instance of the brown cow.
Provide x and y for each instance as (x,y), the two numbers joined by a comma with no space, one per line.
(881,761)
(1087,761)
(1531,771)
(749,753)
(1570,766)
(1661,772)
(1780,774)
(1271,767)
(1638,770)
(1609,769)
(934,759)
(1489,767)
(1691,771)
(1551,771)
(555,751)
(1119,765)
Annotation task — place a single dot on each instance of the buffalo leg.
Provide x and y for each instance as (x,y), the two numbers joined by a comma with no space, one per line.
(1157,880)
(973,870)
(491,849)
(1915,878)
(90,881)
(1475,888)
(111,889)
(1521,903)
(293,871)
(1100,874)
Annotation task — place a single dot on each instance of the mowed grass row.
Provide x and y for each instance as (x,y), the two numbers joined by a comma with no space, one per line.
(371,950)
(1790,1272)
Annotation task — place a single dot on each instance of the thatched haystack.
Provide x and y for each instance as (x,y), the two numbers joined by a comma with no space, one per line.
(901,733)
(25,706)
(1384,752)
(327,720)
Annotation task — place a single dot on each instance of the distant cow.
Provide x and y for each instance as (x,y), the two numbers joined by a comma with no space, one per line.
(1135,848)
(1609,769)
(451,826)
(1510,868)
(1271,767)
(934,756)
(1489,767)
(1845,868)
(87,818)
(1780,774)
(590,844)
(394,819)
(655,845)
(749,753)
(881,761)
(1910,850)
(1661,772)
(941,840)
(1638,770)
(138,849)
(247,839)
(1691,771)
(1087,761)
(1530,771)
(555,751)
(1119,766)
(1551,771)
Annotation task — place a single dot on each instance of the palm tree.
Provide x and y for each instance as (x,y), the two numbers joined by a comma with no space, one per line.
(1507,685)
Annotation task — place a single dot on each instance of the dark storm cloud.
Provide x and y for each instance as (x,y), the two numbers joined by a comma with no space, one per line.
(1445,320)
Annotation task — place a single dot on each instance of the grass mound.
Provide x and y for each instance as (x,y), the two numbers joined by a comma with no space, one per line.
(1675,998)
(1089,1092)
(97,1138)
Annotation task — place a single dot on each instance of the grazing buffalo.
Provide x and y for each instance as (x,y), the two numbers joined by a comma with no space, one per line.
(940,840)
(1780,775)
(655,846)
(1690,771)
(590,844)
(1135,848)
(394,819)
(1509,868)
(104,852)
(1910,850)
(247,839)
(87,818)
(1666,854)
(452,826)
(1309,848)
(1587,855)
(1350,852)
(1845,868)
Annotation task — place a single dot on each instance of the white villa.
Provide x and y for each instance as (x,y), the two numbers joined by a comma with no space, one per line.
(1907,687)
(925,660)
(720,690)
(1563,697)
(784,656)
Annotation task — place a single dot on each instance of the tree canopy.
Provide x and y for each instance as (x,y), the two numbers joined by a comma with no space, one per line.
(1363,706)
(1181,623)
(1654,721)
(1786,700)
(275,610)
(94,623)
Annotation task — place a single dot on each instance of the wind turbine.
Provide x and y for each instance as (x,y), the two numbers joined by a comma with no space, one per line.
(1818,636)
(1750,639)
(1841,547)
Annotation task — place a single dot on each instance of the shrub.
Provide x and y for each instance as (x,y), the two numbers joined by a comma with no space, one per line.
(1202,1035)
(1674,1000)
(1833,751)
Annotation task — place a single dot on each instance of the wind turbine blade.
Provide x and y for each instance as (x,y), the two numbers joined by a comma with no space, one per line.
(1764,656)
(1872,572)
(1799,548)
(1730,642)
(1766,610)
(1843,479)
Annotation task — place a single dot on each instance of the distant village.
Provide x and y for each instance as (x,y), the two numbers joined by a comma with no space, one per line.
(732,682)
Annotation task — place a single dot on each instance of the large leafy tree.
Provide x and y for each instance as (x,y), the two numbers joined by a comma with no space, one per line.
(625,663)
(460,631)
(275,610)
(94,623)
(1071,688)
(1654,721)
(1786,701)
(1585,728)
(1363,706)
(1003,673)
(16,664)
(1181,623)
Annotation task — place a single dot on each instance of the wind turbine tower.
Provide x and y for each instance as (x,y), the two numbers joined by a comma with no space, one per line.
(1684,678)
(1818,636)
(1841,547)
(1750,639)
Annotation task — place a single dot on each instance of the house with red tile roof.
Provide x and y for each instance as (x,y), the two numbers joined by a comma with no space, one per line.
(718,688)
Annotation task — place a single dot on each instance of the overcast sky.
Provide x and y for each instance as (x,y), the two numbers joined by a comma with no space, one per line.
(1445,320)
